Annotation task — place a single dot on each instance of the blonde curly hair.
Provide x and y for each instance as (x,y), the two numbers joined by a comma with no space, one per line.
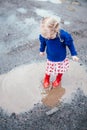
(49,27)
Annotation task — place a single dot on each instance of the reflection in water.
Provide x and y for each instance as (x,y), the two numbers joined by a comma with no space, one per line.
(20,89)
(53,96)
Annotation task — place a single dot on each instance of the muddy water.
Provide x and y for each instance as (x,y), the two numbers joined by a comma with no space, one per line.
(53,97)
(75,78)
(21,88)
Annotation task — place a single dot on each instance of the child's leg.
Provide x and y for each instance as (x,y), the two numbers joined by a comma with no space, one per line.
(57,81)
(46,81)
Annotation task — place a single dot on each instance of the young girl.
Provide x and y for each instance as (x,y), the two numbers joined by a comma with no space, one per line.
(55,41)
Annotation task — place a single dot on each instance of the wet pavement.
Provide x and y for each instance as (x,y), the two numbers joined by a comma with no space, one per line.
(21,88)
(24,104)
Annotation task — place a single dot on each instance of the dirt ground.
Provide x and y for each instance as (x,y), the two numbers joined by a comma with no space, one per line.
(19,46)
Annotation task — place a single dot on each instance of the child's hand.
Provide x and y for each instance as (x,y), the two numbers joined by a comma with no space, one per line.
(42,53)
(75,58)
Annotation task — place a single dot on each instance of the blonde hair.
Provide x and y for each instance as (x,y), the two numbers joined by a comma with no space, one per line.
(49,27)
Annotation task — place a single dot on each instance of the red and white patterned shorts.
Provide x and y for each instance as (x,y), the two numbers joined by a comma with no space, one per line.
(57,67)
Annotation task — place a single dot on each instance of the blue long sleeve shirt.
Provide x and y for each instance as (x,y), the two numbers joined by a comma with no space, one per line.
(56,48)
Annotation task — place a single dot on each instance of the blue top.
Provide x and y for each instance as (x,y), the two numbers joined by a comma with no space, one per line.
(56,48)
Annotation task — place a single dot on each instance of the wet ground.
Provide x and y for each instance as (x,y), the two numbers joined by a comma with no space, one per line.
(24,104)
(19,91)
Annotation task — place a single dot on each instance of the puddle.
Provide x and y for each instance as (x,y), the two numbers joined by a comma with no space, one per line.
(11,19)
(43,13)
(75,78)
(46,13)
(16,32)
(22,10)
(67,23)
(30,21)
(53,96)
(53,1)
(21,88)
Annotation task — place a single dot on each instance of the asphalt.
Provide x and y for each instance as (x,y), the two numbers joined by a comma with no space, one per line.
(19,45)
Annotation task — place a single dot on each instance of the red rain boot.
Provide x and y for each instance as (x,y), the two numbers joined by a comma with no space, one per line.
(46,81)
(57,81)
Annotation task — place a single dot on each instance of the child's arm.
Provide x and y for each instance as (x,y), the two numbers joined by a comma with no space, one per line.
(73,51)
(69,42)
(42,45)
